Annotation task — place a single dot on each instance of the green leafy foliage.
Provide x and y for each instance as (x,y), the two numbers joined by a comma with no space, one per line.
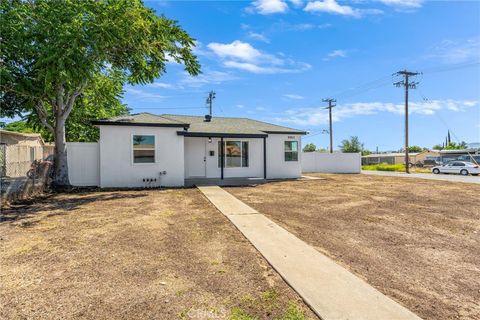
(54,51)
(351,145)
(415,149)
(456,146)
(309,147)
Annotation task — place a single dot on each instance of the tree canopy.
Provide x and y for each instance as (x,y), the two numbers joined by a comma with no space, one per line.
(309,147)
(54,51)
(351,145)
(456,146)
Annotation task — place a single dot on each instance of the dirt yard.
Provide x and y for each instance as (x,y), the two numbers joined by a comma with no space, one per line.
(134,255)
(418,241)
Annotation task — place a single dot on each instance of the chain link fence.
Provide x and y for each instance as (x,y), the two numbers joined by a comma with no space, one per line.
(24,171)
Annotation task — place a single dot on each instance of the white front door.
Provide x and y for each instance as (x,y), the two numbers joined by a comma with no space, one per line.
(195,157)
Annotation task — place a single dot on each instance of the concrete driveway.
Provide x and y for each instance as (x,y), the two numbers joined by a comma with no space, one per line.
(442,177)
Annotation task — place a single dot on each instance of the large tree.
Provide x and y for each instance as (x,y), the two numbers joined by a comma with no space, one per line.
(352,145)
(52,51)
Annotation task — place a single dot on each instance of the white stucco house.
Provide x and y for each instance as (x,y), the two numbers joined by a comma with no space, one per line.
(172,150)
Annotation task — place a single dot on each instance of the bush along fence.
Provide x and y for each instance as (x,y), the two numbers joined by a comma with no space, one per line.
(25,171)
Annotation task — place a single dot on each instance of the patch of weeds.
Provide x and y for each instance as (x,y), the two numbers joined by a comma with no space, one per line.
(270,297)
(221,271)
(248,300)
(214,262)
(180,293)
(34,244)
(239,314)
(293,313)
(183,315)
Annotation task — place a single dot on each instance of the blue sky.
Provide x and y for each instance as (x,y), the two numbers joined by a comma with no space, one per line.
(276,60)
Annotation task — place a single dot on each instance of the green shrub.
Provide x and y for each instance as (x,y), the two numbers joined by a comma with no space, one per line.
(385,167)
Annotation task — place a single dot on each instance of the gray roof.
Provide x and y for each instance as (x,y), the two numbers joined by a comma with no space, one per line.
(197,124)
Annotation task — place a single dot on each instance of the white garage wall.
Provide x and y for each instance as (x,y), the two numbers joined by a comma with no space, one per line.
(331,162)
(83,163)
(277,167)
(116,157)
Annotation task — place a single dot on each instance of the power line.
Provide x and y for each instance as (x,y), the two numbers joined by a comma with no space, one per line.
(408,85)
(210,98)
(330,106)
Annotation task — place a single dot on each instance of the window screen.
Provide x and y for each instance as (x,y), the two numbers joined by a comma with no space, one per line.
(291,151)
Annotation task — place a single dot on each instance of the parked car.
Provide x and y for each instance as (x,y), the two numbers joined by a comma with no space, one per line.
(459,167)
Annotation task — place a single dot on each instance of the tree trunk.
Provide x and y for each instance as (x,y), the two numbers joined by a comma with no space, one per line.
(61,166)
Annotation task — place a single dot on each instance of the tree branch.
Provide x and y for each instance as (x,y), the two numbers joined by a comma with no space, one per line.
(43,115)
(71,100)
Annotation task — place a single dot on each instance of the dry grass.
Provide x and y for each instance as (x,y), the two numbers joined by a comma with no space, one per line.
(418,241)
(133,255)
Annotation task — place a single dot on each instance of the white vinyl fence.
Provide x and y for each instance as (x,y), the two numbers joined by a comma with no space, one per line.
(83,163)
(331,162)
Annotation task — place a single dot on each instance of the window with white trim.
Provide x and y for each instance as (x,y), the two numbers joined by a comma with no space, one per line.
(291,150)
(236,154)
(143,149)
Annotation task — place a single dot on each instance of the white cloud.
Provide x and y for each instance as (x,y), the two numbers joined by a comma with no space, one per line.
(260,108)
(319,116)
(240,106)
(338,53)
(253,68)
(208,77)
(293,96)
(335,54)
(243,56)
(449,51)
(242,51)
(144,95)
(297,3)
(258,36)
(162,85)
(333,7)
(403,3)
(267,7)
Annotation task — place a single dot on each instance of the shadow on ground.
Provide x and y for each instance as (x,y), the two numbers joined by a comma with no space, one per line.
(60,206)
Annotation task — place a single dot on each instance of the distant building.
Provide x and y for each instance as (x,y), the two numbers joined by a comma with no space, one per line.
(471,154)
(18,150)
(398,158)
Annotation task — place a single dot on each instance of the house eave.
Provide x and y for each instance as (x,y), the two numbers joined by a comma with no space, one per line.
(286,132)
(221,135)
(139,124)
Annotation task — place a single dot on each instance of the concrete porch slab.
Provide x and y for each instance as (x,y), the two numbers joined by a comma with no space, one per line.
(329,289)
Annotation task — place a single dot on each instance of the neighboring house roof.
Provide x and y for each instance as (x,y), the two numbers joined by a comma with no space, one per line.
(396,154)
(197,126)
(471,150)
(20,136)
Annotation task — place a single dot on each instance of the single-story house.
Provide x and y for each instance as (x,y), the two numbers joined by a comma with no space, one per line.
(471,154)
(397,157)
(18,150)
(173,150)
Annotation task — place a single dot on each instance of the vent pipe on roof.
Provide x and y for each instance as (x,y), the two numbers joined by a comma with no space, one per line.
(208,118)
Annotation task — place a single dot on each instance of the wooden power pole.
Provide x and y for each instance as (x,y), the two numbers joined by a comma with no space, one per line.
(408,85)
(330,106)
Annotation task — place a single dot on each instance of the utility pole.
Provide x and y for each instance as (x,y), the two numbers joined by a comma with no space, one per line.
(330,106)
(210,98)
(408,85)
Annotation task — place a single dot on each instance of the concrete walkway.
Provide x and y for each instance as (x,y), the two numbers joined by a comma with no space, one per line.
(428,176)
(330,290)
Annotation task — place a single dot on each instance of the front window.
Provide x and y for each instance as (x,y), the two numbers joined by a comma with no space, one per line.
(291,150)
(236,154)
(143,149)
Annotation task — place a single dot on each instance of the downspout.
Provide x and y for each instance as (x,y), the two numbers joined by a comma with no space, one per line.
(264,158)
(222,157)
